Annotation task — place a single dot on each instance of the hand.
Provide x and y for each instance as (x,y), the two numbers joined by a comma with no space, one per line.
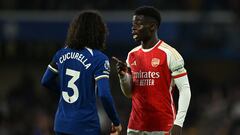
(176,130)
(121,67)
(116,130)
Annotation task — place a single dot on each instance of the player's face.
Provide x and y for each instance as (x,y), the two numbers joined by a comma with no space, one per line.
(140,29)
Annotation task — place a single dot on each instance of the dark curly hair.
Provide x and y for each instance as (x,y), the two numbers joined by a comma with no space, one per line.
(87,30)
(150,12)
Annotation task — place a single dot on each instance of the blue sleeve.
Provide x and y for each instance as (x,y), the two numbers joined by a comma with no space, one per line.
(107,100)
(103,68)
(49,80)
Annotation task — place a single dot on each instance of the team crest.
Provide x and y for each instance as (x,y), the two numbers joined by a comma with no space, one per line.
(107,65)
(155,62)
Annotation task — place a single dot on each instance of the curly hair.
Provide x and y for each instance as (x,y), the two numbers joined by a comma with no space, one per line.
(87,30)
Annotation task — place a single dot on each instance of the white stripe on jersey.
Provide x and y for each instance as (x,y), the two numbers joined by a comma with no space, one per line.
(90,50)
(175,53)
(101,76)
(172,101)
(168,53)
(53,69)
(139,132)
(174,59)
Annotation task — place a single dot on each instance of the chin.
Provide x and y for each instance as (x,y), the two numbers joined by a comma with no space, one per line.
(137,40)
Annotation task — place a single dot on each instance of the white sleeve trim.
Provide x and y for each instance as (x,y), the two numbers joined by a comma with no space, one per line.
(53,69)
(101,76)
(184,99)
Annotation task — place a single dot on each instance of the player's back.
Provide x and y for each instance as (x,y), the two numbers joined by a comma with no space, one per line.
(77,70)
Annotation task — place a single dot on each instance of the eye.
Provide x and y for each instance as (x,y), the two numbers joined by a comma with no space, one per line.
(137,25)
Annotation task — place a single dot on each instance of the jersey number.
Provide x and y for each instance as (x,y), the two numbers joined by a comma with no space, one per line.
(75,75)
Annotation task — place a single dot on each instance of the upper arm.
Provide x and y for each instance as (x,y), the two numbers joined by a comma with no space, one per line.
(51,72)
(176,64)
(102,69)
(53,65)
(101,76)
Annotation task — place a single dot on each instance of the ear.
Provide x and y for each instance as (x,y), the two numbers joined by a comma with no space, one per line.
(153,26)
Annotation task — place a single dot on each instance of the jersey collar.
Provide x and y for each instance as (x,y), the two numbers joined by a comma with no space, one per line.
(148,50)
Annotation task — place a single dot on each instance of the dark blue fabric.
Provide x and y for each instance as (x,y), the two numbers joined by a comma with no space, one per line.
(49,80)
(107,100)
(77,70)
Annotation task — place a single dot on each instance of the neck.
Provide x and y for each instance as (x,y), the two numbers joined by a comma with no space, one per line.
(150,43)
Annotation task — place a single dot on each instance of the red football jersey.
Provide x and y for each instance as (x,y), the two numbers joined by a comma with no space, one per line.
(153,71)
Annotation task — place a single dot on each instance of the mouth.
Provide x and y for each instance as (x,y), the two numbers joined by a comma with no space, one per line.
(135,36)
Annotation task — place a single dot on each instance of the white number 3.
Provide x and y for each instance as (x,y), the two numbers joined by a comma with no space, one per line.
(75,75)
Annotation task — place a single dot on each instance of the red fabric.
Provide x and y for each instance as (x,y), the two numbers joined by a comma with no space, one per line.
(180,75)
(152,103)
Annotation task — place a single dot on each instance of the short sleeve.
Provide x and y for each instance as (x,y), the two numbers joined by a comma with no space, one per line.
(176,64)
(102,69)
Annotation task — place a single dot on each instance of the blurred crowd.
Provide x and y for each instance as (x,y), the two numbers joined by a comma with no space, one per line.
(196,5)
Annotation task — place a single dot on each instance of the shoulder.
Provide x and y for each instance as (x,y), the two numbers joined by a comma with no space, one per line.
(94,53)
(100,54)
(135,49)
(101,60)
(59,52)
(169,50)
(62,50)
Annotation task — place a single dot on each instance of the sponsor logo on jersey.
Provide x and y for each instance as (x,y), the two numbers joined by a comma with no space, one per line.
(145,78)
(155,62)
(148,74)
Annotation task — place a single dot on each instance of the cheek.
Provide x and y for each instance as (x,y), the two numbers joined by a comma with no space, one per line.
(148,33)
(144,32)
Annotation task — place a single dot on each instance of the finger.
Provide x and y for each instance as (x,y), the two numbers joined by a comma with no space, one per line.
(119,62)
(121,72)
(113,129)
(116,59)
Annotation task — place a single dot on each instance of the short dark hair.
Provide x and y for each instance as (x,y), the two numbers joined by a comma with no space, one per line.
(150,12)
(87,30)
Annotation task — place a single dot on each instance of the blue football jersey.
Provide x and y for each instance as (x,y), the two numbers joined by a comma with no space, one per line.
(78,72)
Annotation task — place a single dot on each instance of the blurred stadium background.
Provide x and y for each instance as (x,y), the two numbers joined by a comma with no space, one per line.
(205,32)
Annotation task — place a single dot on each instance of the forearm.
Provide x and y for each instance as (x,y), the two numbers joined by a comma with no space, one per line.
(184,99)
(126,84)
(109,107)
(107,100)
(49,80)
